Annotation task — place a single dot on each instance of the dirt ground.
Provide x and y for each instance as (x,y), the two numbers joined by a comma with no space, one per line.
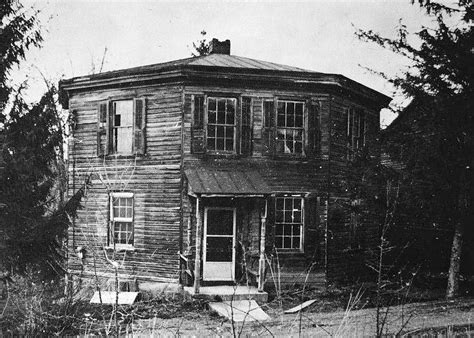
(400,319)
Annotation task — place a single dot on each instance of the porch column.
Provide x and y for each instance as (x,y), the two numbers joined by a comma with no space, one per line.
(197,263)
(261,262)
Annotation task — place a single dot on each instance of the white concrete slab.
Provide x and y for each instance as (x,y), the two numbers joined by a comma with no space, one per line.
(109,297)
(240,310)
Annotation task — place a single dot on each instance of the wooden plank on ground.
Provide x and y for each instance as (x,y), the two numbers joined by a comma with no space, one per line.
(300,307)
(109,297)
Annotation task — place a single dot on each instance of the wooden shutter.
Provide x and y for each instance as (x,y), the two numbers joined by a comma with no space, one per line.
(268,127)
(311,226)
(246,126)
(197,113)
(270,226)
(313,131)
(139,123)
(103,126)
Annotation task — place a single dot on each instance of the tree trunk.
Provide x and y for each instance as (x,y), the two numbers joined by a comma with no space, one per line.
(455,261)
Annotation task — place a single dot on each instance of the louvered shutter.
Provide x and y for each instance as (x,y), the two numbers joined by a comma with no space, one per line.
(311,226)
(270,226)
(246,127)
(103,113)
(268,127)
(197,113)
(139,123)
(313,144)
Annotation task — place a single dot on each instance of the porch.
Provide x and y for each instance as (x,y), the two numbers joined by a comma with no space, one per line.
(226,236)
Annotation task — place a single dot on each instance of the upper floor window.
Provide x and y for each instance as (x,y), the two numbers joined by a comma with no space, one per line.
(122,130)
(221,124)
(289,128)
(121,220)
(121,127)
(356,131)
(289,221)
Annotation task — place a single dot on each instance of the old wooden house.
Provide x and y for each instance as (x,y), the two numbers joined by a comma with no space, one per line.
(218,169)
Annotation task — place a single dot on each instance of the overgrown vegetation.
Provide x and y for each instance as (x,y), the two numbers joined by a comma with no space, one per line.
(434,138)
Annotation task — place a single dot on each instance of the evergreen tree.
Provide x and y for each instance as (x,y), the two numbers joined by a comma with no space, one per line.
(438,140)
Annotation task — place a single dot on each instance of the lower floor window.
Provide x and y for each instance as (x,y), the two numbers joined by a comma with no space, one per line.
(121,219)
(289,222)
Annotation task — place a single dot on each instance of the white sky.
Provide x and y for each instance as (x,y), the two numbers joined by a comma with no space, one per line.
(316,35)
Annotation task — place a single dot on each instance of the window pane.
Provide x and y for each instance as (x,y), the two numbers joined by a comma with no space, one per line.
(212,116)
(211,131)
(299,121)
(124,111)
(220,131)
(220,144)
(212,104)
(221,106)
(229,144)
(220,222)
(280,203)
(211,143)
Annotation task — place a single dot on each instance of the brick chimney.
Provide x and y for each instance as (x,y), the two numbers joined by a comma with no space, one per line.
(219,47)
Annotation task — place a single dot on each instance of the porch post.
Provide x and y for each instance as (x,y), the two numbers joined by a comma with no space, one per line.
(261,262)
(197,263)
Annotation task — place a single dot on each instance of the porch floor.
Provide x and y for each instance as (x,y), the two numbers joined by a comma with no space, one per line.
(228,293)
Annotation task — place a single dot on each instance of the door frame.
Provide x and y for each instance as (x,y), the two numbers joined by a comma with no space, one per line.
(204,243)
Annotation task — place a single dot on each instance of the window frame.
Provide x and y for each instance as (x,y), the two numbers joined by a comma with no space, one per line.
(300,247)
(106,129)
(114,128)
(356,131)
(113,219)
(225,125)
(303,127)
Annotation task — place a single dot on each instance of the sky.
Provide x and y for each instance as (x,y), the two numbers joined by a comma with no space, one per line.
(315,35)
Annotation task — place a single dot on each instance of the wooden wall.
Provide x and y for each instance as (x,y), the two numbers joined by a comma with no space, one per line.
(343,260)
(155,180)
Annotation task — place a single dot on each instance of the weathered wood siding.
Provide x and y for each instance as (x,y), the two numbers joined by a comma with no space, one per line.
(306,175)
(343,260)
(154,179)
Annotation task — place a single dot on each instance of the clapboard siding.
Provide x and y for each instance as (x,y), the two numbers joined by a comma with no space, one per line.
(154,178)
(164,214)
(344,261)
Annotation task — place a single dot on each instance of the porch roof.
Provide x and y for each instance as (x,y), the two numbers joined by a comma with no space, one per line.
(224,182)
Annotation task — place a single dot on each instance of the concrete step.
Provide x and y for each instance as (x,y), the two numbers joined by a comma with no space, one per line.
(228,293)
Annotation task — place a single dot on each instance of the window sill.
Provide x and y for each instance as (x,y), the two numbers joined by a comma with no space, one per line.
(122,156)
(121,248)
(290,251)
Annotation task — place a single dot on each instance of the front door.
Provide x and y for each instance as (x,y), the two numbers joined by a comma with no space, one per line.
(219,244)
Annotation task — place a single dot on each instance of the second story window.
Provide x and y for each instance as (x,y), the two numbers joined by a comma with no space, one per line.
(121,127)
(289,128)
(221,124)
(356,131)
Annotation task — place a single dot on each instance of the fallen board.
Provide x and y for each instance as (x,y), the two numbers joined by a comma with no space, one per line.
(240,310)
(300,307)
(109,297)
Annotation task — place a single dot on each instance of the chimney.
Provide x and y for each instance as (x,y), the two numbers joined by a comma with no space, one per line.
(219,47)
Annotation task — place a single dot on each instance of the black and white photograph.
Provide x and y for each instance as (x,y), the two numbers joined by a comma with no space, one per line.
(199,168)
